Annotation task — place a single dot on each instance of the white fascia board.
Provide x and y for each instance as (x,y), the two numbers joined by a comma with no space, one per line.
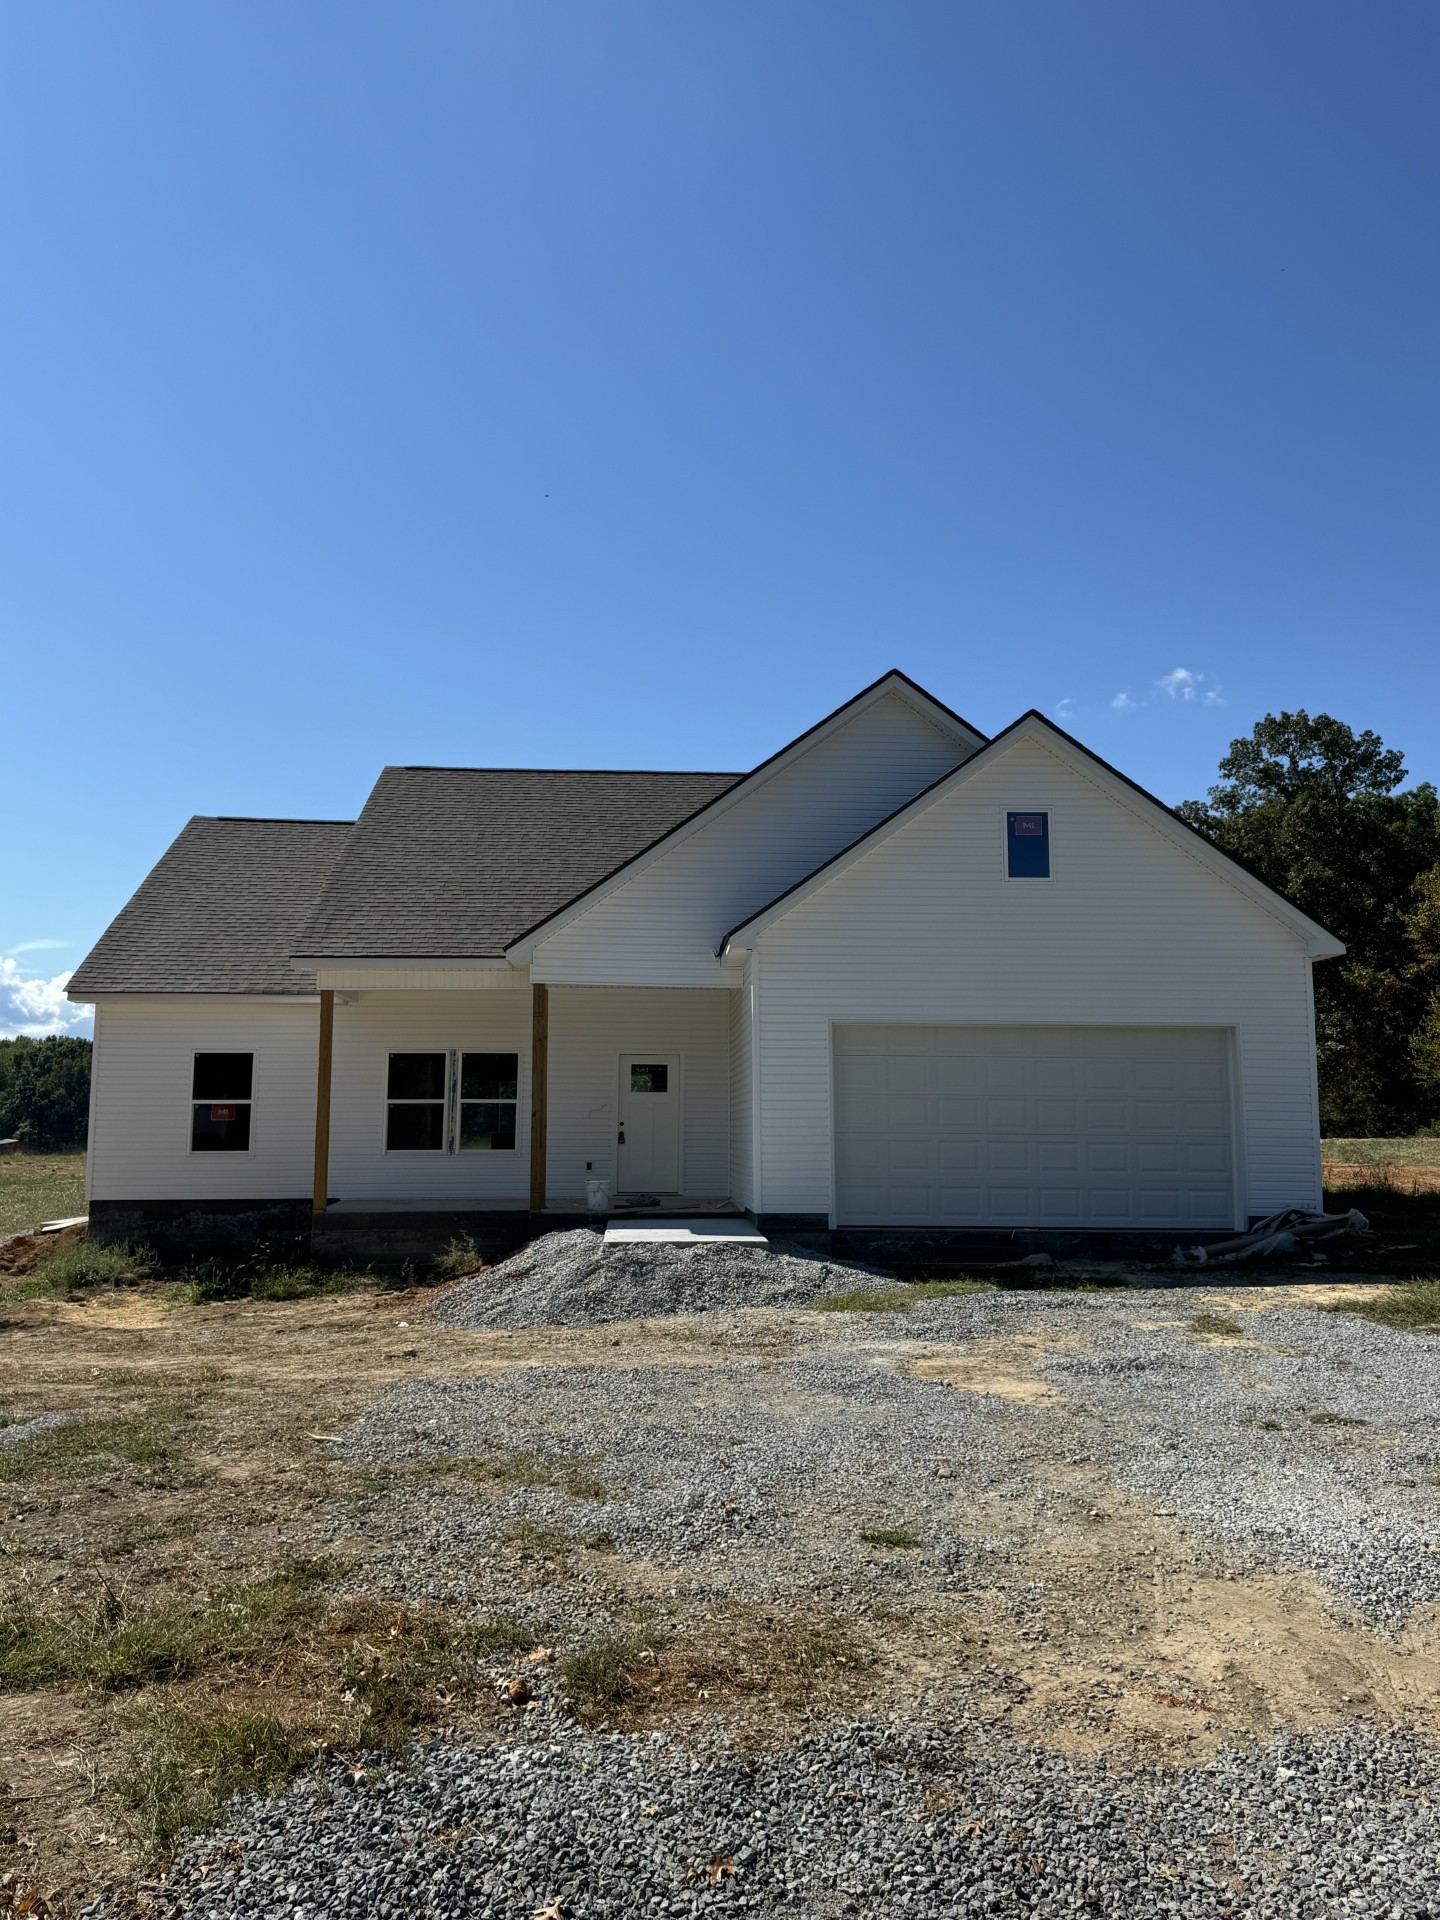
(1319,943)
(520,951)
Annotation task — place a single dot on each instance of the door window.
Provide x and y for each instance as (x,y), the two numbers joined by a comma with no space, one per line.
(654,1079)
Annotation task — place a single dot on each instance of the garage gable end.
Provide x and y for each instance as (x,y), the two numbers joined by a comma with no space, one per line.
(1103,836)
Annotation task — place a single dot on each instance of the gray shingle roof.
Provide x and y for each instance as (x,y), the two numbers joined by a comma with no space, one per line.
(219,912)
(455,862)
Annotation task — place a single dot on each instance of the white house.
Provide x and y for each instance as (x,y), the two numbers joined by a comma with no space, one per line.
(898,977)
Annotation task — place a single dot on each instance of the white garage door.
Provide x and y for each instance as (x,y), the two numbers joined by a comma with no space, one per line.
(1033,1126)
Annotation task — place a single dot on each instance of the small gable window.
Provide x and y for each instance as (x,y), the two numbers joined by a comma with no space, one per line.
(220,1088)
(1027,846)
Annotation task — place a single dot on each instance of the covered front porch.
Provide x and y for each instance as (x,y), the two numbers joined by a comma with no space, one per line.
(488,1109)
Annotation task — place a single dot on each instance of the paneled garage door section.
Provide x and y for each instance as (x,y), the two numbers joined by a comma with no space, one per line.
(1033,1126)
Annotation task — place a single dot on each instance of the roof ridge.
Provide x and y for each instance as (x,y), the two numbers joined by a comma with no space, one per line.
(272,820)
(616,773)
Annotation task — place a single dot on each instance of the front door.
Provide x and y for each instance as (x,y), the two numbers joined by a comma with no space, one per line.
(647,1156)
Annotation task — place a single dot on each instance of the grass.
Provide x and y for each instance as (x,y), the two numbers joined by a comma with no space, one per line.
(1410,1150)
(152,1441)
(400,1673)
(79,1263)
(1218,1325)
(902,1298)
(609,1671)
(1415,1306)
(35,1187)
(892,1537)
(106,1644)
(268,1274)
(189,1762)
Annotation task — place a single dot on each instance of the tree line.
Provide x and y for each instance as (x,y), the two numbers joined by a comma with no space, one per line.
(45,1092)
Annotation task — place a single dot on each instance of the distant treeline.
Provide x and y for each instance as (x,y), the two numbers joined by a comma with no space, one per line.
(45,1092)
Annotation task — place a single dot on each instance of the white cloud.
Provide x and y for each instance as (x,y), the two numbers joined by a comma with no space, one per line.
(1122,703)
(1181,684)
(34,1006)
(1064,709)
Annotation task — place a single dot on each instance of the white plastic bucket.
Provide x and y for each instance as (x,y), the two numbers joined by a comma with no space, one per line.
(597,1195)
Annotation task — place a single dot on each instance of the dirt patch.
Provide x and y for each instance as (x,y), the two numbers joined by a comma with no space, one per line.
(990,1367)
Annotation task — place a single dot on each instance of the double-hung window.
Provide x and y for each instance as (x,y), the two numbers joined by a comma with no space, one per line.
(221,1085)
(451,1102)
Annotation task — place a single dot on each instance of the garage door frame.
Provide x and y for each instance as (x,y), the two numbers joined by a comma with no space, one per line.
(1234,1066)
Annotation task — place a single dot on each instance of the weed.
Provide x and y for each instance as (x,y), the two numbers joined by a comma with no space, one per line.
(1324,1419)
(420,1662)
(900,1299)
(891,1537)
(1415,1306)
(460,1257)
(268,1275)
(188,1763)
(607,1671)
(87,1449)
(536,1537)
(84,1263)
(1218,1325)
(1271,1426)
(106,1644)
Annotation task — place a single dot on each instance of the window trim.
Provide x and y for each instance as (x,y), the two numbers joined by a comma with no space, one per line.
(1026,879)
(191,1103)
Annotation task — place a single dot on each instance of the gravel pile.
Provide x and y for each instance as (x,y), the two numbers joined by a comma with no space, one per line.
(878,1821)
(571,1280)
(19,1431)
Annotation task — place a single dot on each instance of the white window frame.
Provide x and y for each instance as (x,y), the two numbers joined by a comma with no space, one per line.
(233,1153)
(1026,879)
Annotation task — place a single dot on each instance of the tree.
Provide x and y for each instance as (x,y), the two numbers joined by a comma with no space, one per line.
(1314,809)
(45,1091)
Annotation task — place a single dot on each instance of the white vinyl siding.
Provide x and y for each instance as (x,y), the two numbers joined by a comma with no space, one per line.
(742,1094)
(140,1087)
(1132,932)
(590,1027)
(663,925)
(366,1034)
(1048,1127)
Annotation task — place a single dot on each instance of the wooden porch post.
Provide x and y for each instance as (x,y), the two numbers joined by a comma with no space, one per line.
(322,1101)
(539,1081)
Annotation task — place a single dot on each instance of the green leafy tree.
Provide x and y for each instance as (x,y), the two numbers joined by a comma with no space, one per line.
(45,1091)
(1315,809)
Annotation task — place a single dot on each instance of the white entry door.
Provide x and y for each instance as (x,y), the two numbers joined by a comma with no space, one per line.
(647,1156)
(1033,1127)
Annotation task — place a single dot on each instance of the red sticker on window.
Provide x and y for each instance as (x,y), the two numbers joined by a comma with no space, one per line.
(222,1113)
(1032,825)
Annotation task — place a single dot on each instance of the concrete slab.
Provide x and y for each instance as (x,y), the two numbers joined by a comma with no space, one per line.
(684,1233)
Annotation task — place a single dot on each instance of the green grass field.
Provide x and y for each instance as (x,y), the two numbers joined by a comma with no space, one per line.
(1418,1150)
(39,1186)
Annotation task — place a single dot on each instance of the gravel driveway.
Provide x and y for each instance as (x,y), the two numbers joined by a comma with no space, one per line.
(1134,1595)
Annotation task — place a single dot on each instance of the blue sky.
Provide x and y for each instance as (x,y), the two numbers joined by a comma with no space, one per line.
(627,384)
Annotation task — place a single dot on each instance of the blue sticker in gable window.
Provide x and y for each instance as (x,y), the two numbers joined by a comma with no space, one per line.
(1027,846)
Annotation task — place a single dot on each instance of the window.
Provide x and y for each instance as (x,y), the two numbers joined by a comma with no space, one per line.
(1027,846)
(447,1102)
(654,1079)
(489,1088)
(415,1102)
(220,1089)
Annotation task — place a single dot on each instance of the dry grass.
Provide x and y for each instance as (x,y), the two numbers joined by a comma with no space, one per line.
(1410,1150)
